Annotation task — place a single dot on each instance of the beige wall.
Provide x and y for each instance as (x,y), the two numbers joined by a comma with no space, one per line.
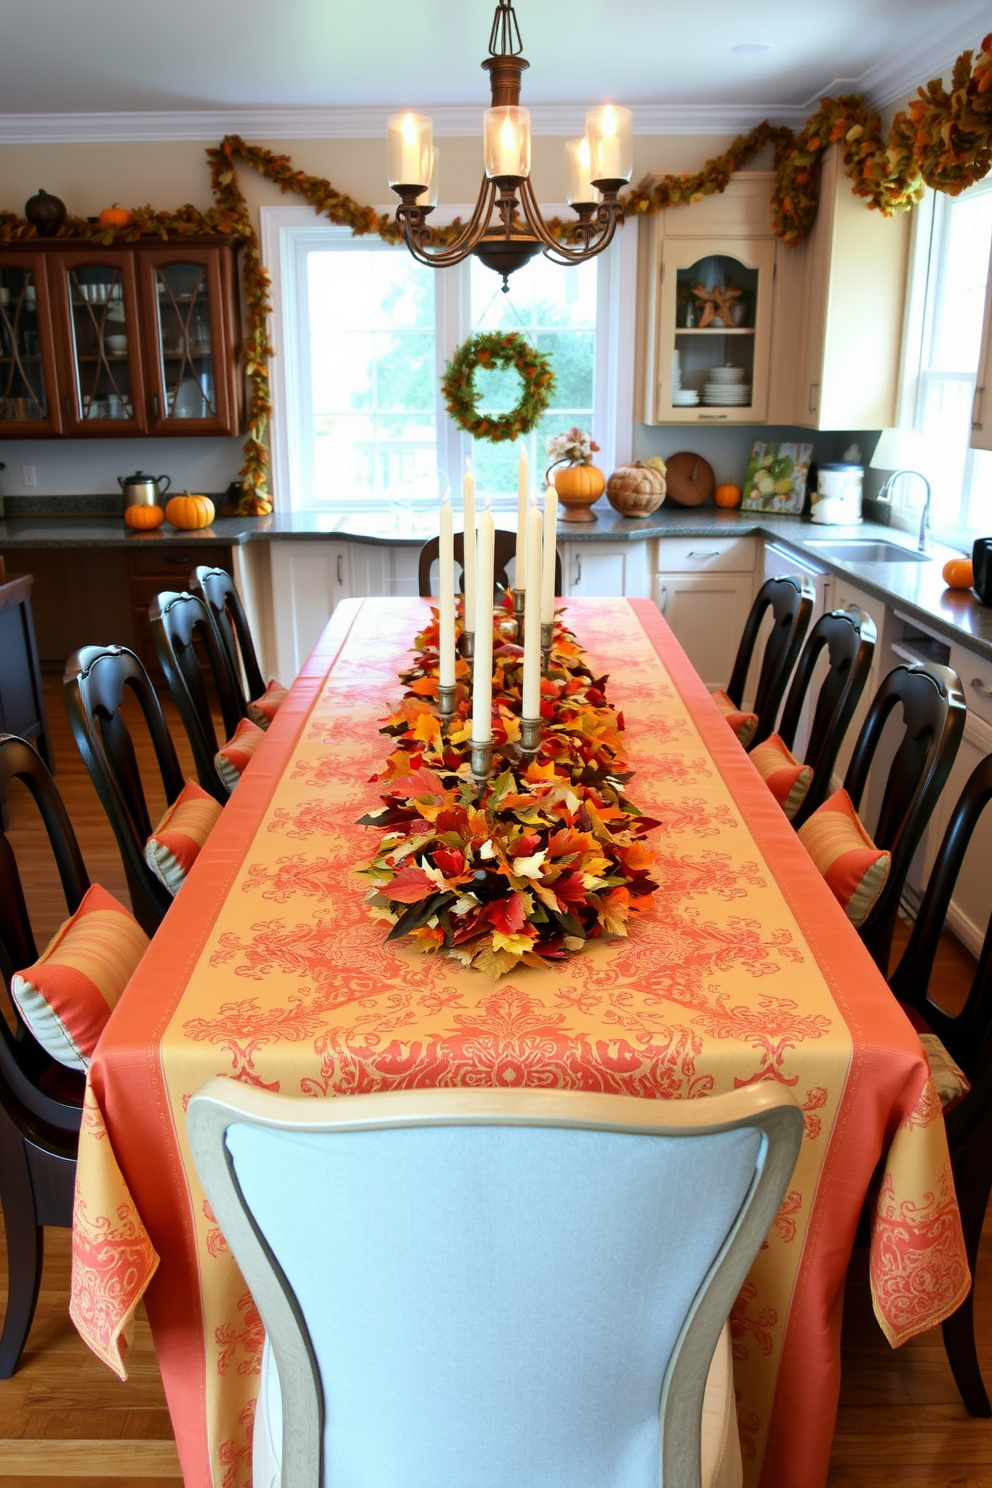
(90,176)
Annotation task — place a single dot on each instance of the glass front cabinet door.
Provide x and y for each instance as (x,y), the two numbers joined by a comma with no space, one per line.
(714,329)
(186,294)
(97,315)
(29,403)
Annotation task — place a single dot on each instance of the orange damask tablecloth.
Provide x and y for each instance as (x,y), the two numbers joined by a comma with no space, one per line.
(267,968)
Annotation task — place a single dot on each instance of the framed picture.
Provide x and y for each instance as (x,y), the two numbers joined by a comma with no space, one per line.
(776,477)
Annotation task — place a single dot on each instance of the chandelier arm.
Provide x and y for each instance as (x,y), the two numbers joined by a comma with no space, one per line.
(466,240)
(608,216)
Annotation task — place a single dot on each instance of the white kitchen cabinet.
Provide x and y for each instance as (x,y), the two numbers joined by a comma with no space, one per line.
(723,242)
(704,586)
(308,580)
(981,410)
(605,568)
(707,613)
(383,569)
(843,595)
(837,335)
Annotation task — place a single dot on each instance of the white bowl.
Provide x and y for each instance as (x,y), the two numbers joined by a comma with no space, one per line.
(117,345)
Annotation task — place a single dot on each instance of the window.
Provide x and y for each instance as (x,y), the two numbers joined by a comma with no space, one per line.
(362,333)
(953,246)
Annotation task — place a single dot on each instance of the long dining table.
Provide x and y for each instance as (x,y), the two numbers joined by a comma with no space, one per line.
(269,969)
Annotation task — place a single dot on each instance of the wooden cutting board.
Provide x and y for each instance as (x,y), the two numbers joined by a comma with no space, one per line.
(690,479)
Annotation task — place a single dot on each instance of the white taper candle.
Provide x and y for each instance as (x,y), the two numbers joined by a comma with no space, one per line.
(482,661)
(531,698)
(523,499)
(446,595)
(550,554)
(468,502)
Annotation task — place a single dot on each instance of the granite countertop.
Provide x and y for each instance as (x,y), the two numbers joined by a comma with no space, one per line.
(916,589)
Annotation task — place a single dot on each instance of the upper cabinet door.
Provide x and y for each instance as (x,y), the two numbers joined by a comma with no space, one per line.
(186,299)
(96,321)
(714,330)
(29,404)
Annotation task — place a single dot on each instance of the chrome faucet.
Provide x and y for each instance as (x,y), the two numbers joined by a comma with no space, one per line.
(923,545)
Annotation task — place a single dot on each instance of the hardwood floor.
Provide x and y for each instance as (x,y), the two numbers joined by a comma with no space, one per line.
(65,1417)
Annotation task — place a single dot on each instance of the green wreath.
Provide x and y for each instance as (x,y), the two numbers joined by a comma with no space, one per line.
(490,349)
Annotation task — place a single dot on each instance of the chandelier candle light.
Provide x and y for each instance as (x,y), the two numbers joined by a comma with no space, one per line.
(468,557)
(596,169)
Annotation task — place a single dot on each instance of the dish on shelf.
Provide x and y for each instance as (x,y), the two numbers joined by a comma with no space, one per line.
(117,345)
(685,397)
(720,397)
(189,402)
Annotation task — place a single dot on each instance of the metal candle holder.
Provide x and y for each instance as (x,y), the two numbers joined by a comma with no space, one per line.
(446,699)
(518,609)
(468,644)
(547,635)
(530,736)
(482,763)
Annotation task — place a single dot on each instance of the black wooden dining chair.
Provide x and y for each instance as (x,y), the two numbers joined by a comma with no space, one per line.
(96,683)
(179,622)
(933,715)
(41,1102)
(790,600)
(217,590)
(848,639)
(966,1037)
(504,550)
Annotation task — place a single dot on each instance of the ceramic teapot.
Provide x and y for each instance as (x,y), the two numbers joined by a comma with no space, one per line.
(143,490)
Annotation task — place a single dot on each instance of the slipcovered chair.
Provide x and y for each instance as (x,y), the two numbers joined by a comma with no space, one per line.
(435,1317)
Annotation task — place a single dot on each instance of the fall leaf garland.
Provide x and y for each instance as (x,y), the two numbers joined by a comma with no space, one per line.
(550,855)
(943,140)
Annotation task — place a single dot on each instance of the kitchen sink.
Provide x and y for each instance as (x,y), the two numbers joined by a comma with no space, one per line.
(866,550)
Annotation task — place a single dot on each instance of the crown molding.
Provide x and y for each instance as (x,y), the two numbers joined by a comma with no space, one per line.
(207,126)
(888,82)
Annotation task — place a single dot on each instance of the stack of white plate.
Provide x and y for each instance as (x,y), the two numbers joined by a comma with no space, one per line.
(725,386)
(684,397)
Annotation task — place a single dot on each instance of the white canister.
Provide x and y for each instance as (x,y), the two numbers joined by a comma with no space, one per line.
(837,498)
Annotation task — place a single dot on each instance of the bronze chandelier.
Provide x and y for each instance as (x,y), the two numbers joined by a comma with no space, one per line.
(506,228)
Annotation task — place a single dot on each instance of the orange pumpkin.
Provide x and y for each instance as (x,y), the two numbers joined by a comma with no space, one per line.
(727,495)
(958,574)
(189,512)
(581,481)
(143,517)
(115,216)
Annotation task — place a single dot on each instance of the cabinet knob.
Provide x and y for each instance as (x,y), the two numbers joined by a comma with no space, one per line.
(812,405)
(155,405)
(663,606)
(340,569)
(980,687)
(578,569)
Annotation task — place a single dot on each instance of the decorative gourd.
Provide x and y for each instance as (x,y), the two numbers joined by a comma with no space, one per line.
(636,490)
(190,512)
(727,495)
(115,216)
(143,517)
(46,213)
(578,487)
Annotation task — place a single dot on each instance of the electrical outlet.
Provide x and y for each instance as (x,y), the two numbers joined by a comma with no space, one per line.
(29,475)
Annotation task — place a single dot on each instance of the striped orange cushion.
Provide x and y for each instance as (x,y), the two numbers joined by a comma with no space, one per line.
(784,776)
(67,996)
(264,709)
(231,760)
(743,724)
(854,868)
(173,847)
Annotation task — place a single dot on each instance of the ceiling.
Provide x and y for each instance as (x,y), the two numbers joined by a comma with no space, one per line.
(60,57)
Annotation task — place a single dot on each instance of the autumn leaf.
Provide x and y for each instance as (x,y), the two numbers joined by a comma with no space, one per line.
(410,885)
(507,914)
(495,963)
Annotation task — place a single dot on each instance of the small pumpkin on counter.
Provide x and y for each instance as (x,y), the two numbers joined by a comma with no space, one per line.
(189,512)
(727,495)
(637,490)
(142,518)
(115,216)
(958,573)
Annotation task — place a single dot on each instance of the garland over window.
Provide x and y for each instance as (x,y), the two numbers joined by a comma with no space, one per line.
(943,140)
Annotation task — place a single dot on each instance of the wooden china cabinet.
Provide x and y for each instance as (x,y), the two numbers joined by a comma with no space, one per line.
(143,338)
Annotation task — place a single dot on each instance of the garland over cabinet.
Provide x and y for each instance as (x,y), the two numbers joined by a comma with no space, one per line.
(143,338)
(705,300)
